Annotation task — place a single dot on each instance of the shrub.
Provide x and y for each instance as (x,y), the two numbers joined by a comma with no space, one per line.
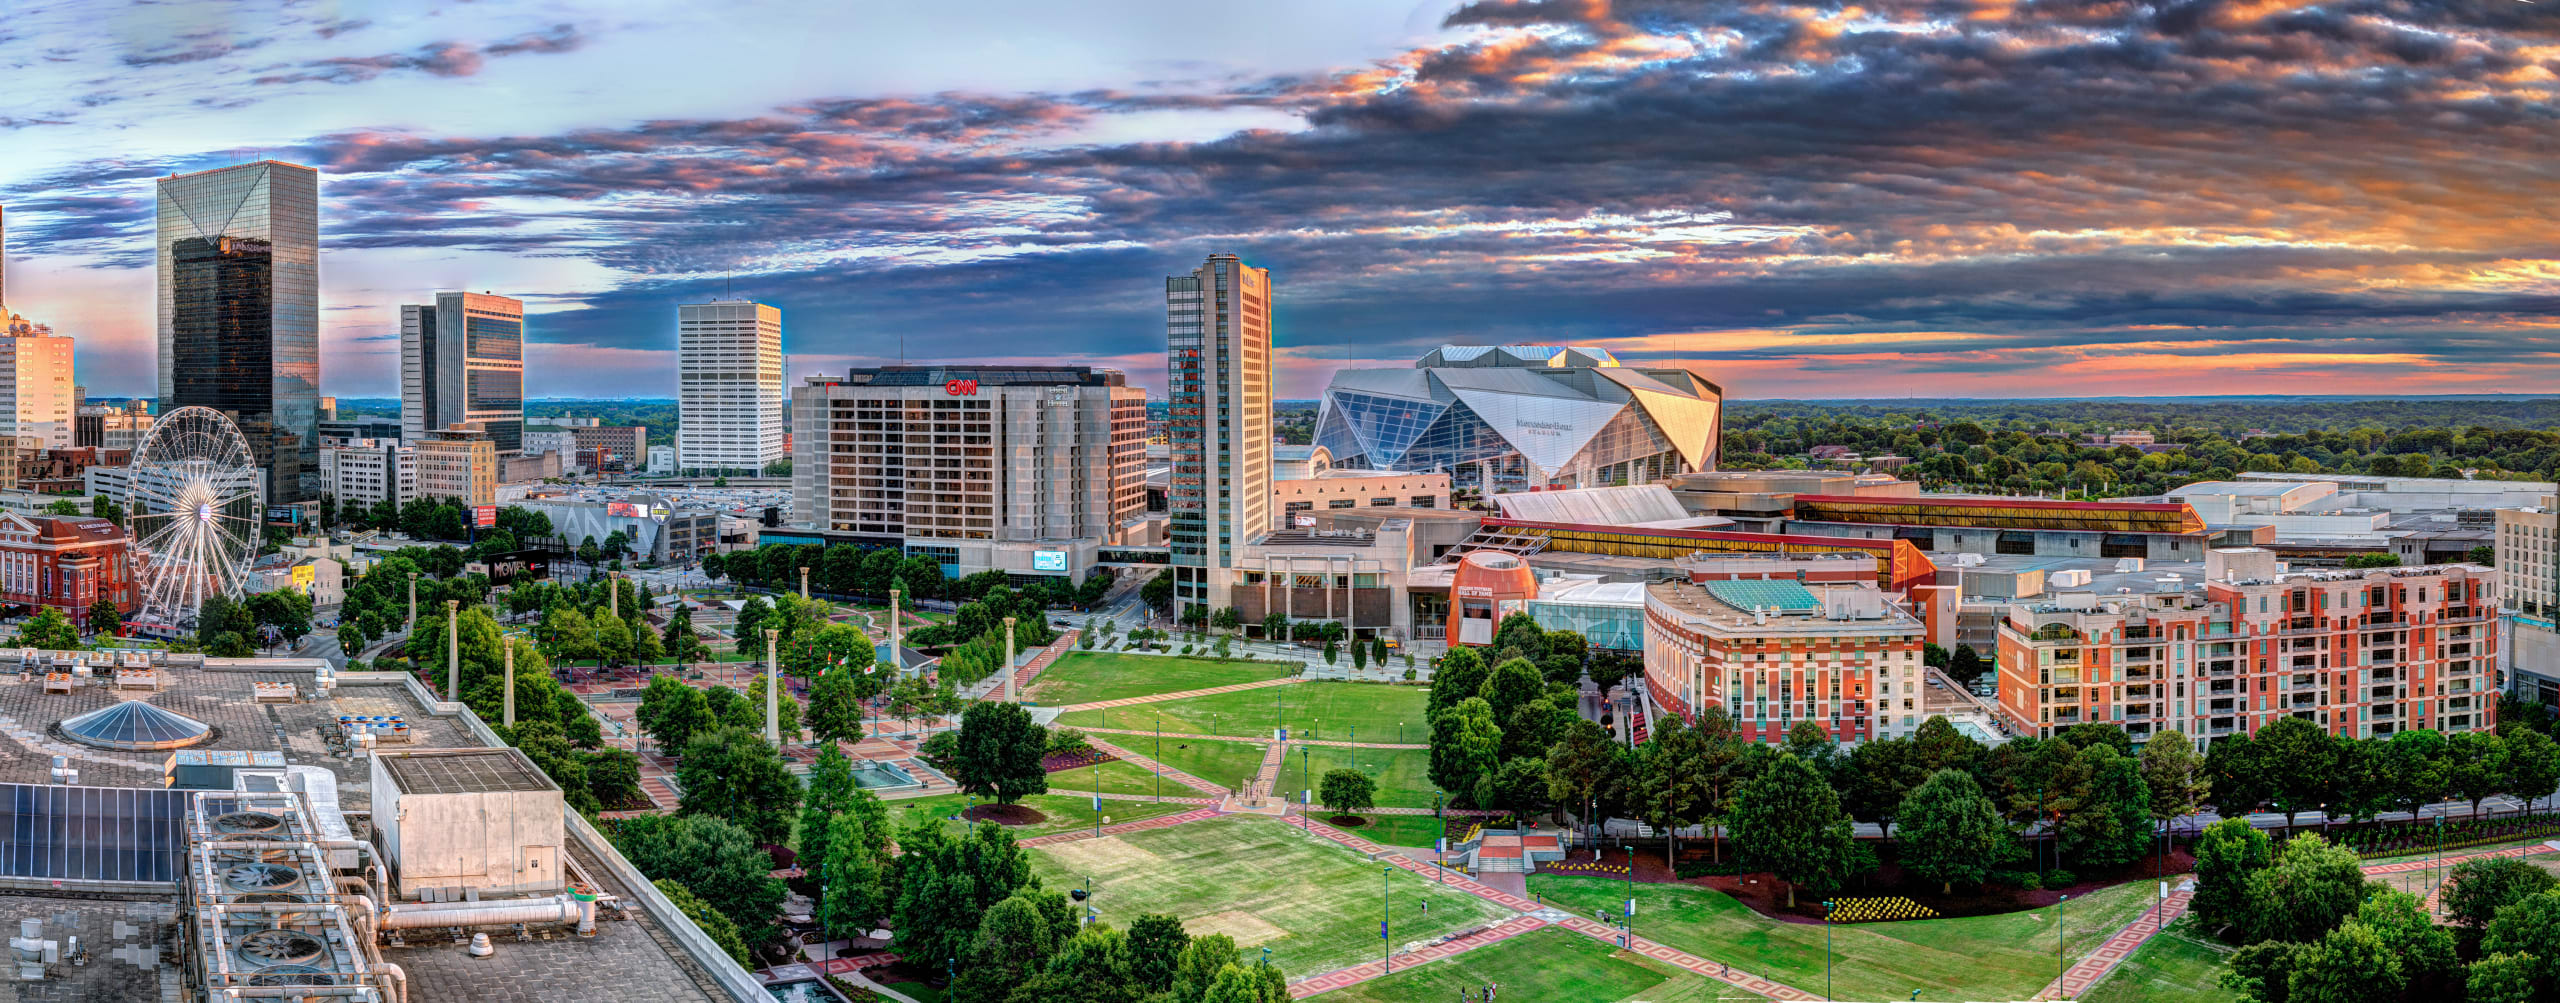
(2059,878)
(1408,672)
(939,750)
(2013,879)
(1067,740)
(2030,883)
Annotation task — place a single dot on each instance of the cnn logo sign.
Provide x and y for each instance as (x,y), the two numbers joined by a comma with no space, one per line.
(961,388)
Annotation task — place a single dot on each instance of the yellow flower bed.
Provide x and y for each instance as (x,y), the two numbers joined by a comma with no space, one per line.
(1878,909)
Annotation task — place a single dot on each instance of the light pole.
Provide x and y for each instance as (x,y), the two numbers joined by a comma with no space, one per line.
(2058,969)
(1826,948)
(1159,765)
(1386,942)
(1306,773)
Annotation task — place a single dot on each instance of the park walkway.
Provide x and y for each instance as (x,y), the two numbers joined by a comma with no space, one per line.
(1141,825)
(1586,927)
(1186,736)
(2124,942)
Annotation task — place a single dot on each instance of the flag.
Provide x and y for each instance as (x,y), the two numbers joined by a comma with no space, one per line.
(1382,929)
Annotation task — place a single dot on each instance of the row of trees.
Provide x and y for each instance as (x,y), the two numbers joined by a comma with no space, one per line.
(2038,445)
(846,569)
(2298,766)
(232,629)
(2315,930)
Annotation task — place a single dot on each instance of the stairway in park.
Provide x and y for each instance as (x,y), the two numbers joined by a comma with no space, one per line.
(1267,779)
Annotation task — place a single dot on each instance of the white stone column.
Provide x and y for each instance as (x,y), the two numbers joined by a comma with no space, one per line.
(804,582)
(413,604)
(894,633)
(510,648)
(1008,660)
(772,687)
(453,649)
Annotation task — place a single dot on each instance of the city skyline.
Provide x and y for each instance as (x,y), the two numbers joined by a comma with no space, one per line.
(1927,198)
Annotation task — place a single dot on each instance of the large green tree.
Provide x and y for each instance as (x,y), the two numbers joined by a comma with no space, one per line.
(2174,774)
(2479,889)
(1789,823)
(2310,887)
(2301,760)
(2103,815)
(1465,746)
(1347,791)
(946,883)
(1877,777)
(1671,778)
(1000,752)
(1459,674)
(835,704)
(1951,832)
(735,774)
(672,712)
(719,861)
(2229,853)
(2530,928)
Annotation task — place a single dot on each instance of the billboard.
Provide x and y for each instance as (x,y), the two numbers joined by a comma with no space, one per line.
(1304,521)
(626,510)
(303,576)
(507,568)
(1049,560)
(484,516)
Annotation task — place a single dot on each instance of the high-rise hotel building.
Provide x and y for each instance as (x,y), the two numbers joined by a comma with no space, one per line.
(1029,470)
(37,397)
(239,309)
(462,359)
(1218,372)
(729,405)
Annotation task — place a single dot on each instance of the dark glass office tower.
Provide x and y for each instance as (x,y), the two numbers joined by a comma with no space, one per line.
(239,255)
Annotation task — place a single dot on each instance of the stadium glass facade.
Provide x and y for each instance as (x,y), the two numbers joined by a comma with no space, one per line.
(1519,417)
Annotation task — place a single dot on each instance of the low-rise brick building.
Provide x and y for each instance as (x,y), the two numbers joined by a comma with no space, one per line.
(65,562)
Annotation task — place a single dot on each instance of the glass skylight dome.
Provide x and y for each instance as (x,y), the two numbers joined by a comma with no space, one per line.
(135,725)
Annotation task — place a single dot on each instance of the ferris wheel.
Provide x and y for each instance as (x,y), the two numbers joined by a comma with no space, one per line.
(193,504)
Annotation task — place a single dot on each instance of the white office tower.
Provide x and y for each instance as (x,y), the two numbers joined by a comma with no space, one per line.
(1218,369)
(729,395)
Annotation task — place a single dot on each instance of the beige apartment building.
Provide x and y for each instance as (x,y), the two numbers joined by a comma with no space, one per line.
(459,463)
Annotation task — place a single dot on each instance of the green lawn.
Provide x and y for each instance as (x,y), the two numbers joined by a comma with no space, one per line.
(1326,709)
(1089,676)
(2178,966)
(1223,763)
(1398,830)
(1403,775)
(1067,813)
(1548,964)
(1117,777)
(2008,956)
(1314,903)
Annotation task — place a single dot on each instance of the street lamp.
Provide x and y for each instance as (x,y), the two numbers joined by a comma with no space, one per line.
(1826,948)
(2057,948)
(1386,943)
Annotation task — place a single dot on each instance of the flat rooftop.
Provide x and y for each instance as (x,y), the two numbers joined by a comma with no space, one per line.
(634,960)
(1714,604)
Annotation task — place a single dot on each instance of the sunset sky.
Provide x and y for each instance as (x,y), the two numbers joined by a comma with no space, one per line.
(1987,198)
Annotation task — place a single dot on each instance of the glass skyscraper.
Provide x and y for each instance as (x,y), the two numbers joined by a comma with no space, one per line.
(239,263)
(462,359)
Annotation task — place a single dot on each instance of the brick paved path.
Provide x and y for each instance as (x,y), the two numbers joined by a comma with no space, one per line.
(1177,776)
(1578,924)
(1329,981)
(1266,781)
(1233,738)
(1185,694)
(1048,656)
(1141,825)
(2097,964)
(2089,969)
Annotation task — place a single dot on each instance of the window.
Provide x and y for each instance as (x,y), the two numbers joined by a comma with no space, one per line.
(1341,503)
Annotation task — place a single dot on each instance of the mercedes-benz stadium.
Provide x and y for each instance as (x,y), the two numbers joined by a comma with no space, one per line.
(1516,417)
